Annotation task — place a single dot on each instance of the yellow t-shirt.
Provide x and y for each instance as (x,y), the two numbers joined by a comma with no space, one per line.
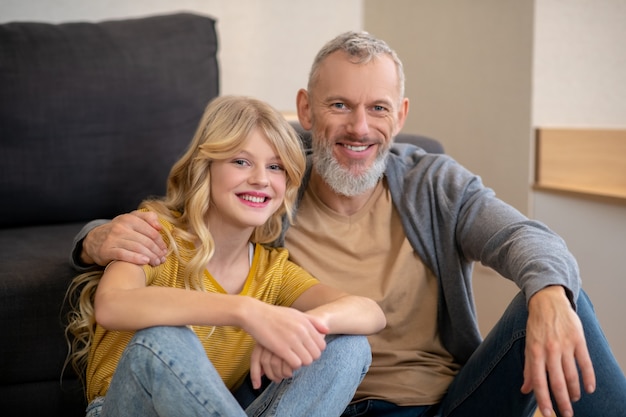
(272,278)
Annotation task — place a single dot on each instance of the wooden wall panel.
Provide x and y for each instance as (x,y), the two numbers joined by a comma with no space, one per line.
(588,161)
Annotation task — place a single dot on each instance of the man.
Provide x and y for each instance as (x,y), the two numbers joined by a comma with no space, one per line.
(403,227)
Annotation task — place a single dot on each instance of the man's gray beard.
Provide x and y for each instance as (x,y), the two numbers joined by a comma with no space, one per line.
(339,178)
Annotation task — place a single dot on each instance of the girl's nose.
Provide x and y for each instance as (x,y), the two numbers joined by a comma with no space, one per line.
(259,177)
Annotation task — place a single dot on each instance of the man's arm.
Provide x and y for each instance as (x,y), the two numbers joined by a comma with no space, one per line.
(133,237)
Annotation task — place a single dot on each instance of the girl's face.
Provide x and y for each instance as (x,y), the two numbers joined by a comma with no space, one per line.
(249,187)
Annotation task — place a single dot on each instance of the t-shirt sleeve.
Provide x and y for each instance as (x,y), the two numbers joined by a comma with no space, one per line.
(295,281)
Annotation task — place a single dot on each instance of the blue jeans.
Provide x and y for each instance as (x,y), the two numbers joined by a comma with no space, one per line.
(164,371)
(489,383)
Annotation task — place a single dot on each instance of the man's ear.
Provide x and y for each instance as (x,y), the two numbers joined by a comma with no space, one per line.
(403,111)
(304,109)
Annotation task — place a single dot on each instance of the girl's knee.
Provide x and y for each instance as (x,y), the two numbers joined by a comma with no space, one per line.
(165,341)
(351,349)
(162,335)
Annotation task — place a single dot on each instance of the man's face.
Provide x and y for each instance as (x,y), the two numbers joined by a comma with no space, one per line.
(354,112)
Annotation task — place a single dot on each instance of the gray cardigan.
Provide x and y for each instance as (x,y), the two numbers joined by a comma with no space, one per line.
(451,219)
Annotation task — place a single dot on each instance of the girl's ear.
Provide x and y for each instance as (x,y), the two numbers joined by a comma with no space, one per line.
(304,109)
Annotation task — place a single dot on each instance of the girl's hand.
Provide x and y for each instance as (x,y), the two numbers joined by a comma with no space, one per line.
(264,362)
(291,336)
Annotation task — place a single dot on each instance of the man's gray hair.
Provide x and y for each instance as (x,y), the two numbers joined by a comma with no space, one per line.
(362,48)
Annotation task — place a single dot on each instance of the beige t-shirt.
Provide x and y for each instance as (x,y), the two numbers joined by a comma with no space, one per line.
(368,254)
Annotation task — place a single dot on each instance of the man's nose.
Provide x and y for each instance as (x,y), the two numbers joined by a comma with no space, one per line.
(357,124)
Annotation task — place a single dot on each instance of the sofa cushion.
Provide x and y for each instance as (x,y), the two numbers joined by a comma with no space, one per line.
(93,115)
(34,276)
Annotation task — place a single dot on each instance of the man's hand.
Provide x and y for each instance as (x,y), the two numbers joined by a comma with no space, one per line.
(555,344)
(132,237)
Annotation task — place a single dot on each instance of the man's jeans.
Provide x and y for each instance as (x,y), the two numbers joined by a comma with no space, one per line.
(489,384)
(164,371)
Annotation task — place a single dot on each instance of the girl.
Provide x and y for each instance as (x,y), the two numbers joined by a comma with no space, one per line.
(180,339)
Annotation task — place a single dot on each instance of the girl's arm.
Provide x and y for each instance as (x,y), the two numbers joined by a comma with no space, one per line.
(341,312)
(124,302)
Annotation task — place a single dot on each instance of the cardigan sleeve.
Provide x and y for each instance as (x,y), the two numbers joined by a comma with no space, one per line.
(458,220)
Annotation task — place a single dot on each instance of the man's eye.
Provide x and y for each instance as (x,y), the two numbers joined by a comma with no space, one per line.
(379,108)
(339,105)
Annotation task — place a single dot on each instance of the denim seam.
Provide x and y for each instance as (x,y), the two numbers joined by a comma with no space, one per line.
(275,397)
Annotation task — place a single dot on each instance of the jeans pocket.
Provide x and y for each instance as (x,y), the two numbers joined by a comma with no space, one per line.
(357,409)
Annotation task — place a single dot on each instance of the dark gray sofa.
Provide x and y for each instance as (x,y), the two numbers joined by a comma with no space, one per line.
(92,116)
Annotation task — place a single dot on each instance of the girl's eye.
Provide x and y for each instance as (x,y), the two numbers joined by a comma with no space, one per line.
(240,162)
(276,167)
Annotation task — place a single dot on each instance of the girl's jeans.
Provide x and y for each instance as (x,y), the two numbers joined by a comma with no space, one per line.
(164,371)
(489,383)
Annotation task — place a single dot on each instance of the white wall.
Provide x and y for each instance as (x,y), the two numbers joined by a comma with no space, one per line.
(579,66)
(579,77)
(265,47)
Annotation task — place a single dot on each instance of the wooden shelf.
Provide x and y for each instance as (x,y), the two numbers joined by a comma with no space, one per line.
(581,161)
